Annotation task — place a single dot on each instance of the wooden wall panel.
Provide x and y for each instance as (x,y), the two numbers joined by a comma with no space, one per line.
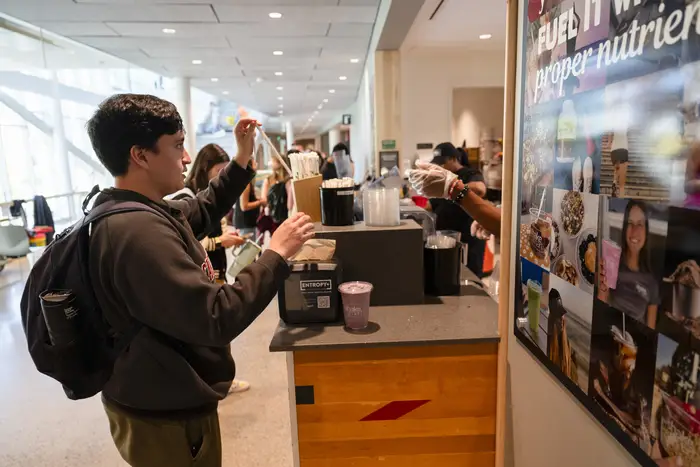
(451,422)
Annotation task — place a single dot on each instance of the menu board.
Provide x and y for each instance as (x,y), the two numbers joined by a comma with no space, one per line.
(608,289)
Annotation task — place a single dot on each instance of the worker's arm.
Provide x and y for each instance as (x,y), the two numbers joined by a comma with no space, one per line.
(433,181)
(484,212)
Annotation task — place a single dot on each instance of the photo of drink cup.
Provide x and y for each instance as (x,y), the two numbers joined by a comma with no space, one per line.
(534,298)
(611,257)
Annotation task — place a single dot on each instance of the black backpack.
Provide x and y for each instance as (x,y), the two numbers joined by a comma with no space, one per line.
(277,202)
(77,348)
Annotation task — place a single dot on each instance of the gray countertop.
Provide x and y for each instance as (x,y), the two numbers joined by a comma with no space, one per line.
(471,317)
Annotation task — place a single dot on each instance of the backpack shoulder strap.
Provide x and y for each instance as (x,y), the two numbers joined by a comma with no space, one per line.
(111,207)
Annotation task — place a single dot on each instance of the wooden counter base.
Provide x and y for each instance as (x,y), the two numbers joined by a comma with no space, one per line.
(415,406)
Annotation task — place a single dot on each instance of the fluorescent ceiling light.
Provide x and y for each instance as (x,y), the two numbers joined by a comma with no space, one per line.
(354,60)
(168,31)
(281,106)
(258,80)
(196,62)
(214,80)
(275,15)
(342,78)
(278,52)
(332,91)
(485,36)
(279,88)
(320,107)
(278,73)
(325,100)
(225,93)
(280,98)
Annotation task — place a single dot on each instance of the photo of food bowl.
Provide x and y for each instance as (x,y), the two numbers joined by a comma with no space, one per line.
(576,217)
(565,269)
(572,212)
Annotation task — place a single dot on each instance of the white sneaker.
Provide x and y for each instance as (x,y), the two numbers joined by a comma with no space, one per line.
(239,386)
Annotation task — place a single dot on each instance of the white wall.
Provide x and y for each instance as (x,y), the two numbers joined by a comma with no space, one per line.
(476,112)
(362,128)
(428,78)
(546,424)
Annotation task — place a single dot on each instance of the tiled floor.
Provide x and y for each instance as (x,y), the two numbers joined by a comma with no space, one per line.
(40,427)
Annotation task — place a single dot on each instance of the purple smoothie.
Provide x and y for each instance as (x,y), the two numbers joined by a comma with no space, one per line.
(356,297)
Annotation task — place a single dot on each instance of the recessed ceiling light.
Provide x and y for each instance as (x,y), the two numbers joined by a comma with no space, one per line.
(278,52)
(315,112)
(281,112)
(485,36)
(342,78)
(320,107)
(168,31)
(278,73)
(279,88)
(196,62)
(354,60)
(281,106)
(214,80)
(325,100)
(275,15)
(280,98)
(225,93)
(332,91)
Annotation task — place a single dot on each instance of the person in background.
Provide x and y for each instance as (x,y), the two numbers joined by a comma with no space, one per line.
(452,217)
(276,196)
(210,161)
(247,209)
(150,275)
(637,290)
(330,169)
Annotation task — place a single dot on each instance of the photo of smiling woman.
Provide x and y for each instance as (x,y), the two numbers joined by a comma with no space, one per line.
(625,277)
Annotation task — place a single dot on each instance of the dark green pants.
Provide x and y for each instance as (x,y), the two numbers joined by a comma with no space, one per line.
(149,442)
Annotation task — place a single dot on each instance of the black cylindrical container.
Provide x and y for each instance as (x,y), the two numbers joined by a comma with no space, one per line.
(61,314)
(442,267)
(337,206)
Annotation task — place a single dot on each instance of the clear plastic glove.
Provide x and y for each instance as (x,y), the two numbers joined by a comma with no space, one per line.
(431,180)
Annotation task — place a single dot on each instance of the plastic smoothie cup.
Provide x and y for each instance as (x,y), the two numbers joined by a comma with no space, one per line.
(611,256)
(356,297)
(534,296)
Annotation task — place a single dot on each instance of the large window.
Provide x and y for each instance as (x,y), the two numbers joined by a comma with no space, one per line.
(49,88)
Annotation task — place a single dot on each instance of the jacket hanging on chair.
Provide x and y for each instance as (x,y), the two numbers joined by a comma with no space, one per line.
(42,213)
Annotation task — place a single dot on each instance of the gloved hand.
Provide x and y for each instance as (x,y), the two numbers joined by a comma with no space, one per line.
(431,181)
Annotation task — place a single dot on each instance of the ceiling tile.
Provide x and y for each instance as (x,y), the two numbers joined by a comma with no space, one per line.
(297,15)
(117,43)
(175,52)
(351,30)
(80,28)
(37,10)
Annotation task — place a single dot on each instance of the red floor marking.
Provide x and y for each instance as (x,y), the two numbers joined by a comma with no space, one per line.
(393,410)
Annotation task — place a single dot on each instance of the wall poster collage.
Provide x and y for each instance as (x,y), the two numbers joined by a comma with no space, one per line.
(608,296)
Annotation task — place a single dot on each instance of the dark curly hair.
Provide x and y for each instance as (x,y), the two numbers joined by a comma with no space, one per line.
(127,120)
(207,157)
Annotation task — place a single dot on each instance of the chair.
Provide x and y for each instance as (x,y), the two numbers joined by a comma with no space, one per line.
(14,242)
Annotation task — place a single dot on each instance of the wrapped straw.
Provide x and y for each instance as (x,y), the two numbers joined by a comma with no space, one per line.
(339,183)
